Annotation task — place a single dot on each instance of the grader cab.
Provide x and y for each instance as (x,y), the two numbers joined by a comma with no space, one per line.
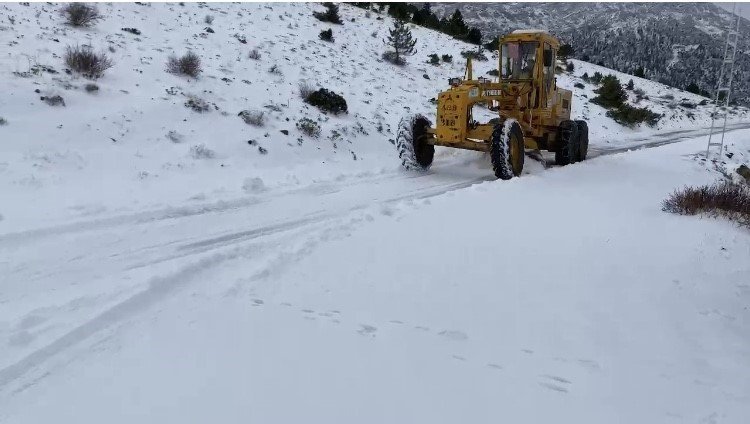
(533,112)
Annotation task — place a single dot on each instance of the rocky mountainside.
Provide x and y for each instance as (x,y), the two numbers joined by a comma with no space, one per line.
(675,43)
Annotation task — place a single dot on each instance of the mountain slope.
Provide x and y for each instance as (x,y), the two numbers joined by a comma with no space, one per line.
(676,43)
(134,144)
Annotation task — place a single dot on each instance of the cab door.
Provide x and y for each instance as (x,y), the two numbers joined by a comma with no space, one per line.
(548,76)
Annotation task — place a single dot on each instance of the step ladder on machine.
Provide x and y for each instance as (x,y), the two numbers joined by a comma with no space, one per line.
(724,86)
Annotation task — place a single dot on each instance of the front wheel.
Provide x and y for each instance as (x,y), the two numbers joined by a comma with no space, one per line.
(506,149)
(412,142)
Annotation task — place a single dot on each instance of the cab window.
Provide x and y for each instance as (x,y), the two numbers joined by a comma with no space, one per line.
(518,60)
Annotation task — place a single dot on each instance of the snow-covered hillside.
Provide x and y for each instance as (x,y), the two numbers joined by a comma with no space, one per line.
(677,43)
(157,267)
(133,144)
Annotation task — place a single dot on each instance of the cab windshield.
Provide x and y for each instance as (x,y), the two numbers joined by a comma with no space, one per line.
(517,60)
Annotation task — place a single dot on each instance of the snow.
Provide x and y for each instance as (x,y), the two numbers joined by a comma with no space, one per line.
(140,282)
(529,31)
(135,134)
(401,309)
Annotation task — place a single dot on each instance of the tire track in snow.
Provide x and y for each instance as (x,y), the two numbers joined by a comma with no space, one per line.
(177,212)
(215,242)
(657,140)
(159,288)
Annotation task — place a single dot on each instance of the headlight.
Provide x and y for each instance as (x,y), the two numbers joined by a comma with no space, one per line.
(454,81)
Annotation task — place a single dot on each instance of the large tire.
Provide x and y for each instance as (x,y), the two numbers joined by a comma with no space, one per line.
(412,143)
(567,143)
(583,140)
(506,149)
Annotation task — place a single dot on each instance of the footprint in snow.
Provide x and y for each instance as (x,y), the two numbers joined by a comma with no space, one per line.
(556,378)
(453,335)
(553,387)
(367,330)
(590,364)
(257,302)
(555,383)
(495,366)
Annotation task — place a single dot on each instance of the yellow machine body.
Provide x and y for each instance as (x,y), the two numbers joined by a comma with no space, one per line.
(530,97)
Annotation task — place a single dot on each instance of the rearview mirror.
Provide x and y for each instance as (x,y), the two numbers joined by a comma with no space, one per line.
(547,58)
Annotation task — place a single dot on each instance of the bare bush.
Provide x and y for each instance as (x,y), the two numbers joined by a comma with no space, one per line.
(80,14)
(91,88)
(327,101)
(189,64)
(3,121)
(55,100)
(305,89)
(326,35)
(254,54)
(253,117)
(727,199)
(275,70)
(197,104)
(85,61)
(309,127)
(208,19)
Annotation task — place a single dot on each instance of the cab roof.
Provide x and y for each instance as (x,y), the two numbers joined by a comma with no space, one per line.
(531,35)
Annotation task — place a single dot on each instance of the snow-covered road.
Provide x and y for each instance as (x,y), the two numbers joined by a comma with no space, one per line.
(100,264)
(90,271)
(661,138)
(353,300)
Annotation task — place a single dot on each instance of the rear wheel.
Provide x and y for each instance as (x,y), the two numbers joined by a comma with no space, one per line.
(583,140)
(567,143)
(506,149)
(414,150)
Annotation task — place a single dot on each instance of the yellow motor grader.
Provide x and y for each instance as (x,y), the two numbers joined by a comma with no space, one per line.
(533,112)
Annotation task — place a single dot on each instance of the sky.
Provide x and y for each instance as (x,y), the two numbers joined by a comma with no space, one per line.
(744,8)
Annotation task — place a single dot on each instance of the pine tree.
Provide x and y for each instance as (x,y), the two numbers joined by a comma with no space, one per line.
(330,15)
(456,24)
(432,21)
(474,36)
(610,93)
(401,41)
(401,11)
(566,50)
(425,17)
(494,44)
